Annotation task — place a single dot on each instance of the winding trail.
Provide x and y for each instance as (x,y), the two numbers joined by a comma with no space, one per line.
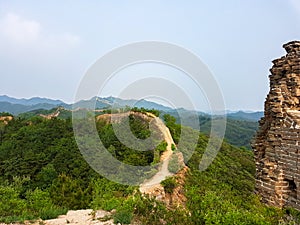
(154,182)
(163,171)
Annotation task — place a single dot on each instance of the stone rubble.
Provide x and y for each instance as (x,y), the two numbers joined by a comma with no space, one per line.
(76,217)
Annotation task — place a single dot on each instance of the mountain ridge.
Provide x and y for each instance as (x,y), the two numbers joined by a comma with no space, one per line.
(30,101)
(16,106)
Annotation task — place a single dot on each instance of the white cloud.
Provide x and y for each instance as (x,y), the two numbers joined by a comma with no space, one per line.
(17,30)
(31,52)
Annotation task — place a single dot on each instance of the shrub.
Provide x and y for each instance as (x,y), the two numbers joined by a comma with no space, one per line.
(10,202)
(52,212)
(174,165)
(173,147)
(40,205)
(123,217)
(108,195)
(169,184)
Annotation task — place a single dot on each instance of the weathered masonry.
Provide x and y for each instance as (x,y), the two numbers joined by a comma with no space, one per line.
(277,144)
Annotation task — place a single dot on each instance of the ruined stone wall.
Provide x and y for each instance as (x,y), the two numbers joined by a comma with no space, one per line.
(118,117)
(277,144)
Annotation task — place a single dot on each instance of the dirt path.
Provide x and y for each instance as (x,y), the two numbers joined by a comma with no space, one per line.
(163,172)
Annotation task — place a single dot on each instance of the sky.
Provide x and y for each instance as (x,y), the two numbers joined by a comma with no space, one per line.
(46,47)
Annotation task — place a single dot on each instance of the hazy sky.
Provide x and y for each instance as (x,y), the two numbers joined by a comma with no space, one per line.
(46,46)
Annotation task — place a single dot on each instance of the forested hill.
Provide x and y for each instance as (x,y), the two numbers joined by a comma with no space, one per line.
(43,174)
(239,132)
(241,126)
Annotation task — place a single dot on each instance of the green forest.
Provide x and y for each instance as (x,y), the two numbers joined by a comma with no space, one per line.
(239,131)
(43,175)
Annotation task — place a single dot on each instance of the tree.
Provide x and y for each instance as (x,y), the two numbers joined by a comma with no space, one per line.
(67,192)
(46,176)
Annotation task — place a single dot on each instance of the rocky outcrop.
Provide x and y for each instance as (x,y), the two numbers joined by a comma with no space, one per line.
(76,217)
(177,198)
(172,200)
(277,144)
(5,119)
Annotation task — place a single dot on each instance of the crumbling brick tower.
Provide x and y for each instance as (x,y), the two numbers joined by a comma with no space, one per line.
(277,144)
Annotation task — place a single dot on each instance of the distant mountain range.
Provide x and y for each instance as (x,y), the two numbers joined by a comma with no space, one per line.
(16,106)
(109,102)
(31,101)
(16,109)
(251,116)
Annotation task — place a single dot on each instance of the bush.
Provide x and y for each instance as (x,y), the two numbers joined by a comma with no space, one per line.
(174,165)
(40,204)
(123,216)
(175,129)
(37,204)
(162,147)
(173,147)
(108,195)
(67,192)
(111,204)
(10,202)
(169,184)
(52,212)
(38,200)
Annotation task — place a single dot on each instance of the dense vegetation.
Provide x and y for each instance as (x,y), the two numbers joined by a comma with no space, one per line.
(43,174)
(240,130)
(39,159)
(224,193)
